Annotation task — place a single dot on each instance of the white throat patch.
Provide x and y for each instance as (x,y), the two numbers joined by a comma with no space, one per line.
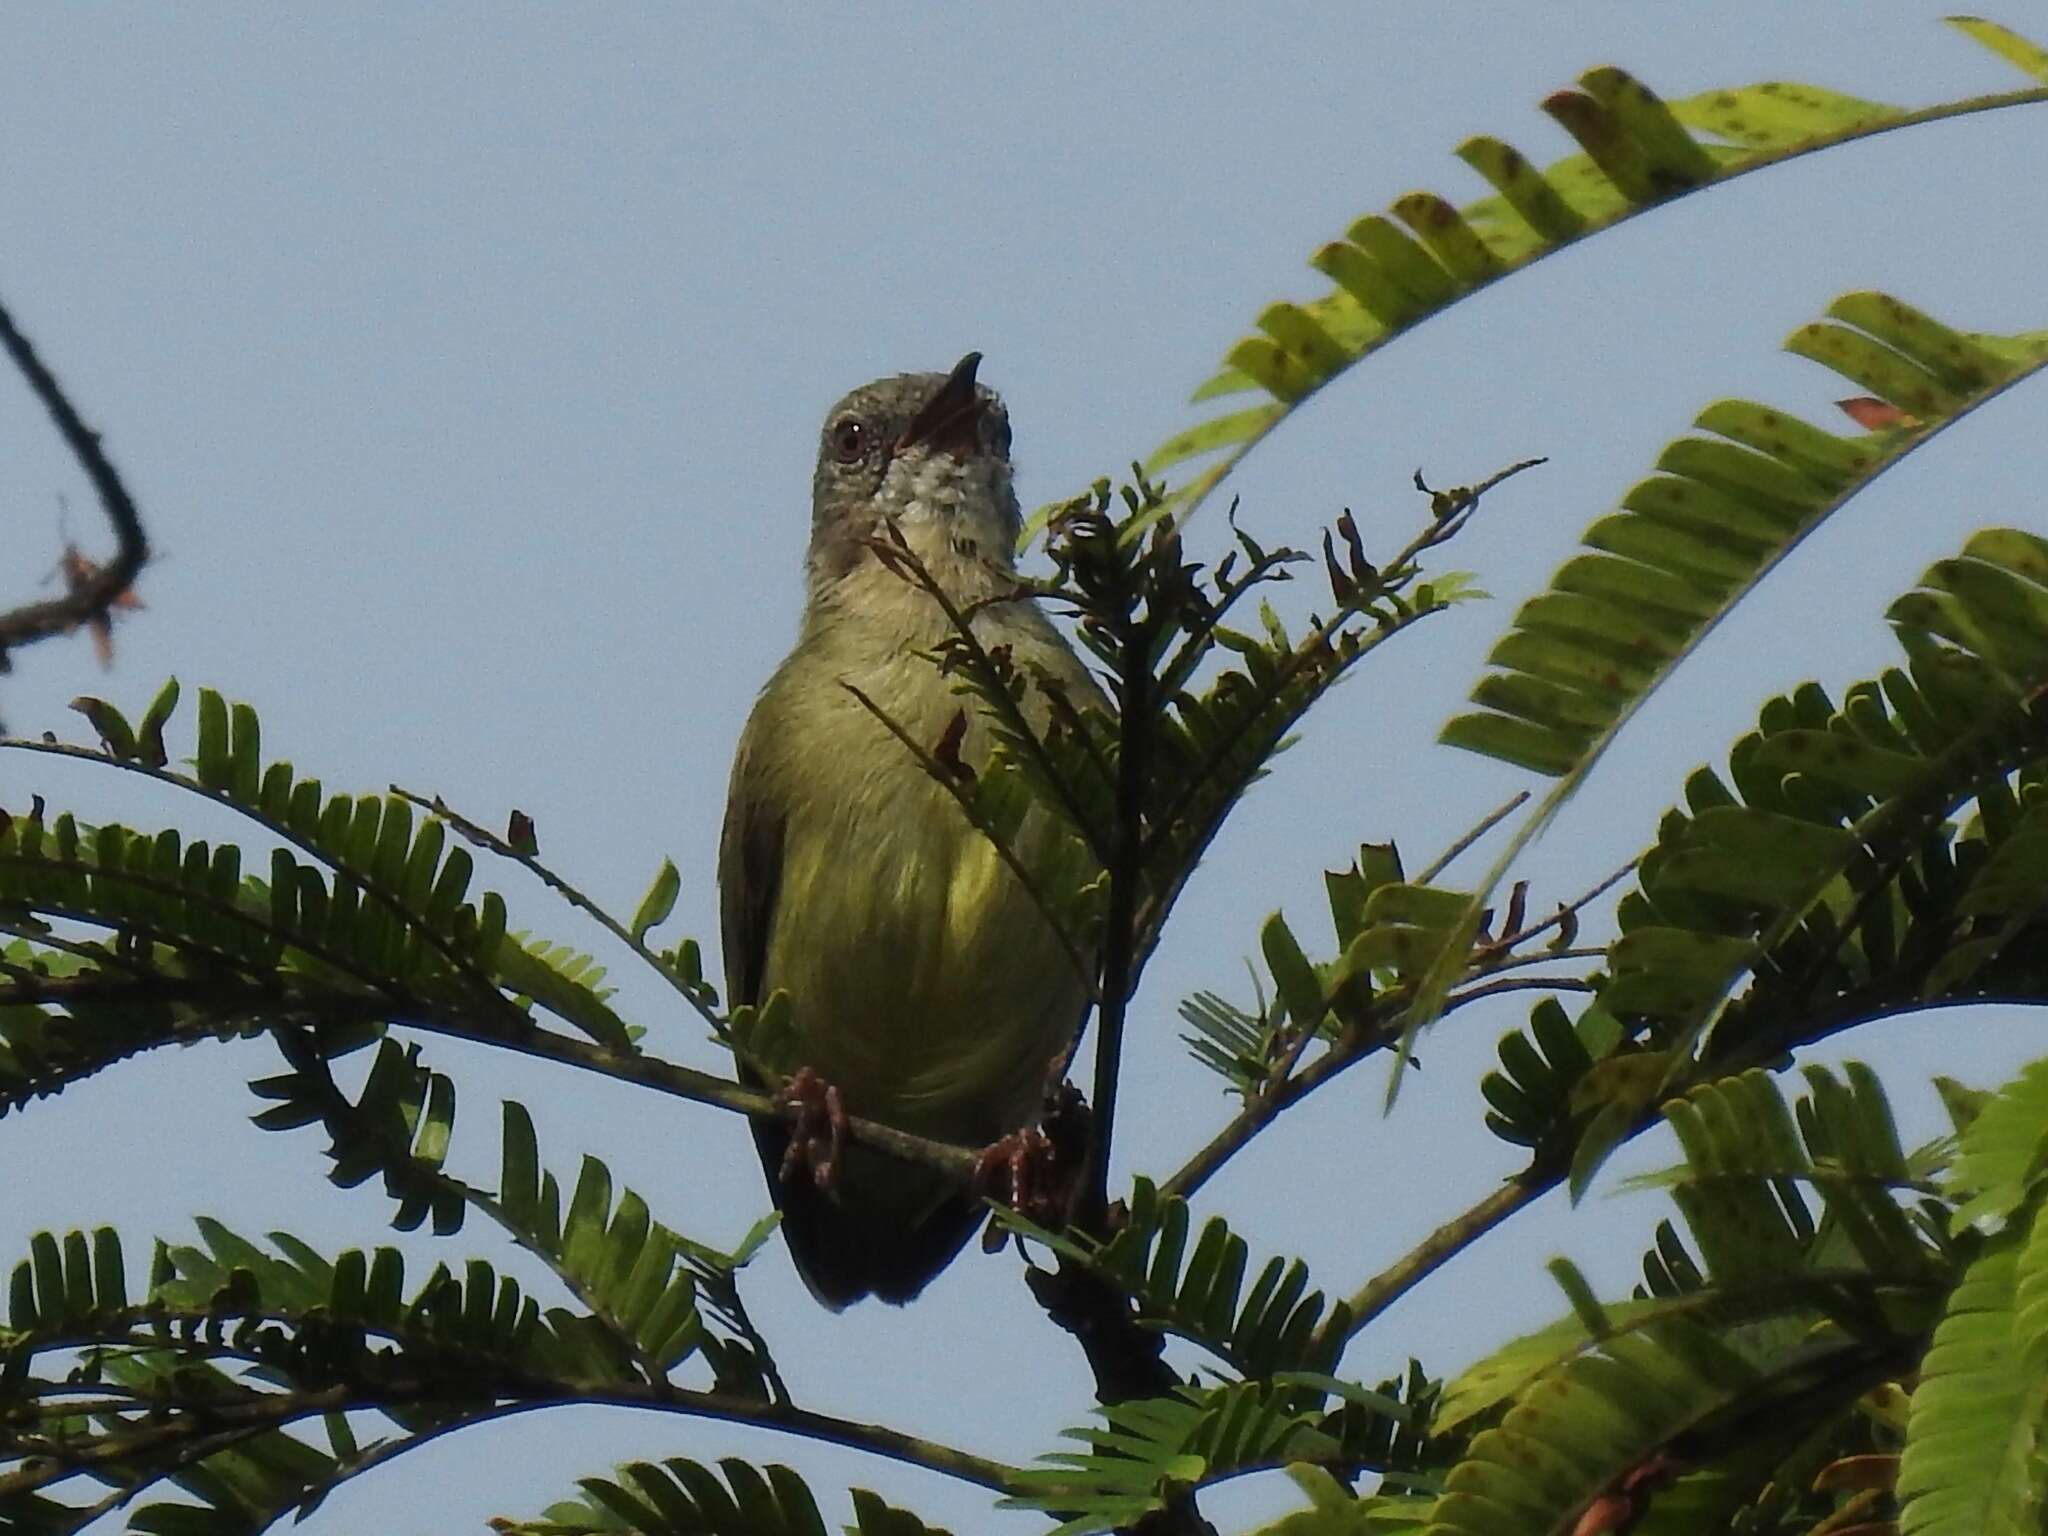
(964,497)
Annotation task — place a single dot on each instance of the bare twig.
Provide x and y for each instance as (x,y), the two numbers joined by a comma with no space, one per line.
(1406,1272)
(1571,908)
(1486,824)
(94,593)
(1122,957)
(632,1067)
(1450,512)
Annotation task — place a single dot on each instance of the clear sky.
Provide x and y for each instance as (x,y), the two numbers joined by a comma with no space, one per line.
(467,363)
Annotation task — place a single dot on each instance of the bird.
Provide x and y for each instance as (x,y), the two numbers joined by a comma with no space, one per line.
(928,990)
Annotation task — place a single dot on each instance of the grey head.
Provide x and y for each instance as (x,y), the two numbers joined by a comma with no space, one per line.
(929,450)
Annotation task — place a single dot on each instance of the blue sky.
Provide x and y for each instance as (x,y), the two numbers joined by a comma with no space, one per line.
(467,361)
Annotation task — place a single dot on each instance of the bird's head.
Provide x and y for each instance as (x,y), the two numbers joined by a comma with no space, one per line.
(930,451)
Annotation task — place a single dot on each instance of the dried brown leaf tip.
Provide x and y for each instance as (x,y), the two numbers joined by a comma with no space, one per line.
(78,570)
(947,752)
(1875,415)
(520,834)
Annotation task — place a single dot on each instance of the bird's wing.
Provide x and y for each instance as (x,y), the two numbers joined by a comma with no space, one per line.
(749,879)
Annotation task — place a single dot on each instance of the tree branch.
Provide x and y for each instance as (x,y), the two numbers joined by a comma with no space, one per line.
(263,1412)
(94,594)
(638,1068)
(1406,1272)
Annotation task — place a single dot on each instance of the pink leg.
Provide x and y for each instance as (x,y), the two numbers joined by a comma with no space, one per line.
(818,1130)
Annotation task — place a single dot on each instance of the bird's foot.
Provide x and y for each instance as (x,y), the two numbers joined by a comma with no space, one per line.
(1016,1170)
(818,1128)
(1037,1171)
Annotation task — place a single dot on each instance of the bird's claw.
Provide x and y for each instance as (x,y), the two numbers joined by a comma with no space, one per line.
(1019,1171)
(818,1128)
(1036,1171)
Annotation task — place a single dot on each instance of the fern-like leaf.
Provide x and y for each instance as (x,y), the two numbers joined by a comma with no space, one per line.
(1390,274)
(1151,1450)
(1198,1290)
(1720,514)
(1976,1455)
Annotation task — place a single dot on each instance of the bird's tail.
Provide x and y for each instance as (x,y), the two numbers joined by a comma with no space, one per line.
(885,1231)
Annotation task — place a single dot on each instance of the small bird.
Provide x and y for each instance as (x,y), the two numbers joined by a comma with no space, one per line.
(929,992)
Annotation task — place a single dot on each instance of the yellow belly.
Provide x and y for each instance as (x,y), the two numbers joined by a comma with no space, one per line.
(925,982)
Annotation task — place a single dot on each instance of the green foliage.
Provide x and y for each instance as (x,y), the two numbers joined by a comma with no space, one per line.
(1390,274)
(1719,515)
(1199,1292)
(1826,868)
(1853,860)
(1791,1320)
(1150,1451)
(1976,1452)
(1530,1098)
(363,917)
(399,1125)
(1336,1511)
(679,1497)
(1387,933)
(2002,1156)
(1974,1459)
(230,1333)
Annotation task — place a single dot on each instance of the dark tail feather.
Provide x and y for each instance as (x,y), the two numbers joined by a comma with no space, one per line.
(886,1232)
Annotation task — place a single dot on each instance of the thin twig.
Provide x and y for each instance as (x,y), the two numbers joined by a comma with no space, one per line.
(701,1087)
(1573,907)
(1283,1069)
(1406,1272)
(896,553)
(1121,944)
(635,1067)
(946,781)
(1365,1040)
(264,1412)
(1528,984)
(95,594)
(1485,825)
(484,838)
(1315,646)
(1179,669)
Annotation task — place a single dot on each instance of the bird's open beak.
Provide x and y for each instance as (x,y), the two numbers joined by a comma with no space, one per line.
(951,420)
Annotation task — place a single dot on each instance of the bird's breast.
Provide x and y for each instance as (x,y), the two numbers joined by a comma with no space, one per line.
(925,981)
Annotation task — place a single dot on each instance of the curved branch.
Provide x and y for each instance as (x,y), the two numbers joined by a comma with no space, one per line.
(267,1412)
(642,1070)
(94,594)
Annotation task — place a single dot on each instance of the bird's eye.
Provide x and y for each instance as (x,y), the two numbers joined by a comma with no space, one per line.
(850,441)
(1003,437)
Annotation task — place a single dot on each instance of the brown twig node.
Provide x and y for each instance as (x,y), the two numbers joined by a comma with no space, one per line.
(92,591)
